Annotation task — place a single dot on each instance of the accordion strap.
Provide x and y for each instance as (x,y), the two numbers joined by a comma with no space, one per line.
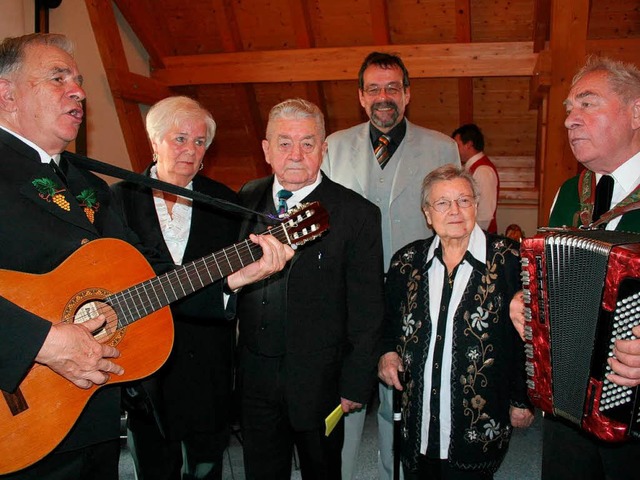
(587,187)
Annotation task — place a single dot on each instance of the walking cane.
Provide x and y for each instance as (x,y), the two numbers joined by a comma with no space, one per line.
(397,425)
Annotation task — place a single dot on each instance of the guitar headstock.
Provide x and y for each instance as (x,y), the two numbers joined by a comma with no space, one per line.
(305,222)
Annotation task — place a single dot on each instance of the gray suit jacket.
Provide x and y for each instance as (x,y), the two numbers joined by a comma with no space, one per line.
(349,161)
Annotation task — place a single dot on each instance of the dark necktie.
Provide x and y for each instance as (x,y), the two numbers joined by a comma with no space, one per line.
(382,150)
(283,196)
(59,171)
(604,192)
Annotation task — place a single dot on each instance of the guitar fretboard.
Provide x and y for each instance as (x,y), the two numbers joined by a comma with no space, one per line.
(140,300)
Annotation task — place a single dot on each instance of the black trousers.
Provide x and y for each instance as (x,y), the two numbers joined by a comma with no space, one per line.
(569,454)
(435,469)
(198,456)
(268,435)
(96,462)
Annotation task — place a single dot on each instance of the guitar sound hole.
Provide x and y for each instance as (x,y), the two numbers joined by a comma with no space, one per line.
(93,309)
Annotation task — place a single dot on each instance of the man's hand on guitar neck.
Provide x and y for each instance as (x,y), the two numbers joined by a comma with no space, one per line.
(71,351)
(275,256)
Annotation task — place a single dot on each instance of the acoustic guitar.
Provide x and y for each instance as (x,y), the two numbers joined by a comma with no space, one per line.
(110,276)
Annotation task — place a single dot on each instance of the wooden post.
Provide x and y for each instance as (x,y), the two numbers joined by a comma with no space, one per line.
(569,24)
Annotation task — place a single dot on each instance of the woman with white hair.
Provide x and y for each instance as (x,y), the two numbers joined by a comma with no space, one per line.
(450,340)
(179,418)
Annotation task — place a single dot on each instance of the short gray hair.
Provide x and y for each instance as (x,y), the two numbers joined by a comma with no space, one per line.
(624,78)
(12,49)
(296,109)
(171,111)
(444,173)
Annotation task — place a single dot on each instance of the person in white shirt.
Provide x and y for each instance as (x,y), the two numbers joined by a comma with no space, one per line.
(470,141)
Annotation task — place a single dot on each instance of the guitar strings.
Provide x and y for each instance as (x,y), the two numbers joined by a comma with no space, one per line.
(137,296)
(246,252)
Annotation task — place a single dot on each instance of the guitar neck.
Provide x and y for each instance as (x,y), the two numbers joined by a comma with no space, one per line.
(145,298)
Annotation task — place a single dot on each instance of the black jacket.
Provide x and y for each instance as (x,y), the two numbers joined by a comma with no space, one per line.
(323,312)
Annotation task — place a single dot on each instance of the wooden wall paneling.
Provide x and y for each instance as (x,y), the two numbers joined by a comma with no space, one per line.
(244,94)
(337,26)
(569,23)
(465,85)
(517,179)
(305,38)
(423,61)
(509,127)
(152,38)
(502,20)
(434,103)
(502,111)
(190,27)
(614,20)
(264,24)
(343,105)
(627,50)
(421,22)
(114,60)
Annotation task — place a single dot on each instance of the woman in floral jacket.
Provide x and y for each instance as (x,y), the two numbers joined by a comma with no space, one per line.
(449,335)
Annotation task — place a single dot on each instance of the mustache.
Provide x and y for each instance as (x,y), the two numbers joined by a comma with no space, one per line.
(385,104)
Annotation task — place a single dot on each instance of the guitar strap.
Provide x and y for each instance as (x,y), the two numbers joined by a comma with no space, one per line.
(86,163)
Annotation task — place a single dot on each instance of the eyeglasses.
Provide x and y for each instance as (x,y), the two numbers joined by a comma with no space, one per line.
(443,205)
(391,90)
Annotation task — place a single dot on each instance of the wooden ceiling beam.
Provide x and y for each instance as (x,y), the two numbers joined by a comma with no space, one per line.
(107,33)
(465,85)
(491,59)
(541,23)
(138,88)
(153,40)
(540,82)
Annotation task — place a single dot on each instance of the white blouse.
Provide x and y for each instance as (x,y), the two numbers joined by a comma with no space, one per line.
(176,228)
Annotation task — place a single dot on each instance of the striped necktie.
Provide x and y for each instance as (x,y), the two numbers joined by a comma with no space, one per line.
(382,151)
(283,196)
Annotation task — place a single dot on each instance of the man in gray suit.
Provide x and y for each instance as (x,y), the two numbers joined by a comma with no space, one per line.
(385,161)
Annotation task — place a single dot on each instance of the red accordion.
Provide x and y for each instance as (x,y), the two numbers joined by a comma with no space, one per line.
(582,292)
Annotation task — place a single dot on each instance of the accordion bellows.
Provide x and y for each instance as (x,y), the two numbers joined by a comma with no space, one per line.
(582,292)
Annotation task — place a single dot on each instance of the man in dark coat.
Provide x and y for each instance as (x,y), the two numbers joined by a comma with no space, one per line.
(309,334)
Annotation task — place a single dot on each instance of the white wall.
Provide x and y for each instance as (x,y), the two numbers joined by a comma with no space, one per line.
(17,18)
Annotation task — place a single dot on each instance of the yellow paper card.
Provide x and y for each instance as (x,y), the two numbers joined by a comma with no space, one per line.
(332,420)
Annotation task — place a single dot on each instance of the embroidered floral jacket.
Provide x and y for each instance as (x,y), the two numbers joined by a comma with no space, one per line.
(487,375)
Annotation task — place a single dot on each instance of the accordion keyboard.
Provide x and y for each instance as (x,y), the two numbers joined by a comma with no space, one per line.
(625,318)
